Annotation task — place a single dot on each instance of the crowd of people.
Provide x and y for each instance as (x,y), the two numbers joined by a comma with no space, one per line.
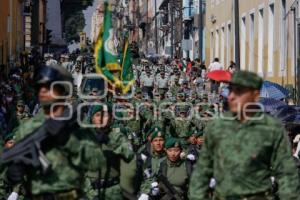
(171,139)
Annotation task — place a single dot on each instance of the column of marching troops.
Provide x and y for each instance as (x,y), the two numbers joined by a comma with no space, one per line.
(165,141)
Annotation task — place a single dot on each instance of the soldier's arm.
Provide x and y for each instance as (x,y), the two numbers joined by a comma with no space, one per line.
(84,151)
(203,172)
(284,167)
(120,145)
(146,185)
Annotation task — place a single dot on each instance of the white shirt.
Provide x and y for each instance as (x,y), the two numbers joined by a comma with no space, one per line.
(51,62)
(215,66)
(148,81)
(77,79)
(162,82)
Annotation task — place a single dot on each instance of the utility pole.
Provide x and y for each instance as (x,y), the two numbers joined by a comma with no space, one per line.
(237,33)
(147,28)
(296,53)
(156,40)
(295,9)
(200,30)
(172,28)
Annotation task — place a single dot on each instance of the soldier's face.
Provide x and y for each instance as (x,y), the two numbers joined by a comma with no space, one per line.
(158,144)
(173,154)
(138,95)
(200,140)
(239,97)
(192,139)
(47,95)
(100,119)
(20,108)
(9,144)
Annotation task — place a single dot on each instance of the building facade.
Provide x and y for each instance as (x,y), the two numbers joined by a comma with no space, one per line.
(267,37)
(11,31)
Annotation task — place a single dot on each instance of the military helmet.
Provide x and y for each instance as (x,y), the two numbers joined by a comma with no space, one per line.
(173,142)
(49,74)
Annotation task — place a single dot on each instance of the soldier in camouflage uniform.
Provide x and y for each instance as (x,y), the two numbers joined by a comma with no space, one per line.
(148,160)
(105,184)
(8,190)
(71,154)
(20,115)
(182,123)
(175,88)
(175,172)
(191,148)
(243,150)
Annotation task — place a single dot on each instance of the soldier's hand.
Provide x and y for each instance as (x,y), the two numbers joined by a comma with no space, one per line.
(144,197)
(154,189)
(191,157)
(13,196)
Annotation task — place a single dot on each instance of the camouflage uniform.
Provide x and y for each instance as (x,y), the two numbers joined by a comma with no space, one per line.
(149,161)
(69,160)
(243,156)
(19,117)
(115,146)
(175,173)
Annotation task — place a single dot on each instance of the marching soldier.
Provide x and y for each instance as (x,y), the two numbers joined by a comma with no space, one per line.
(181,124)
(244,149)
(175,88)
(69,154)
(148,160)
(50,60)
(171,181)
(147,83)
(20,116)
(105,184)
(162,82)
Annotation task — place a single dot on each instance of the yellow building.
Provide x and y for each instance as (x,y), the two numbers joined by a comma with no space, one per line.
(266,36)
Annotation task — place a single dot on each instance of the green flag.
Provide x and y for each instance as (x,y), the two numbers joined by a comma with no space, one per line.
(126,67)
(105,51)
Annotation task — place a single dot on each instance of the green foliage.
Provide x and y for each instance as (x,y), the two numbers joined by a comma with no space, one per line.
(73,26)
(73,18)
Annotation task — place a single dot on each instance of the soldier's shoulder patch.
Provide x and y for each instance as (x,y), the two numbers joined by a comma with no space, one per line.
(117,129)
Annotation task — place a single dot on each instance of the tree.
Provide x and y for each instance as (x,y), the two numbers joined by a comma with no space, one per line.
(73,18)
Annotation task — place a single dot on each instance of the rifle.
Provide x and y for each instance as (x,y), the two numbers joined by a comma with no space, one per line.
(30,150)
(171,193)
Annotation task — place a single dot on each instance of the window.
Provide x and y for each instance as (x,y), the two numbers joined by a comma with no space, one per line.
(270,40)
(228,44)
(243,43)
(251,43)
(260,41)
(223,45)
